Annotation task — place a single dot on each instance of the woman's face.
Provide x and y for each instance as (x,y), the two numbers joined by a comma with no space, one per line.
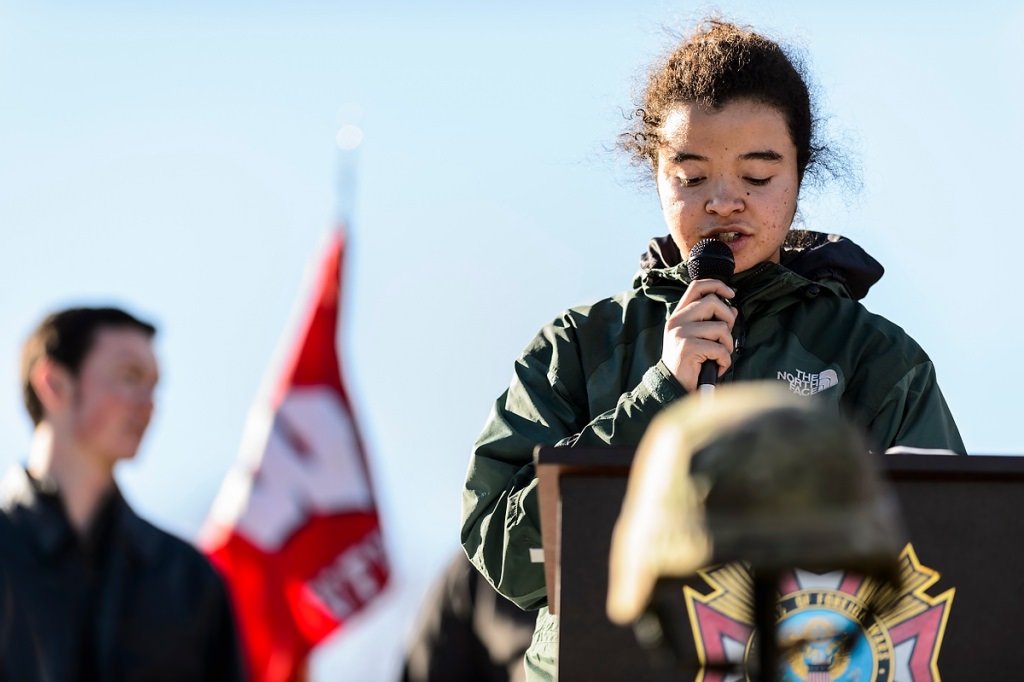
(728,174)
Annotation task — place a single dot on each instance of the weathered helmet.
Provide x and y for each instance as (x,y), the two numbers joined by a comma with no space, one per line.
(755,474)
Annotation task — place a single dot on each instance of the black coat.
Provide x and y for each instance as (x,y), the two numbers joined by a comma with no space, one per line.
(127,603)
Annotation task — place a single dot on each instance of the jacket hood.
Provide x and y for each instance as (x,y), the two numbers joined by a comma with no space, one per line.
(816,256)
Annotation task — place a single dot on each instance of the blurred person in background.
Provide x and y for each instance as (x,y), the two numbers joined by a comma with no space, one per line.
(88,590)
(467,632)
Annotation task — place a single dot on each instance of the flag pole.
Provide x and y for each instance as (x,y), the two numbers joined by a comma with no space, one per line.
(347,142)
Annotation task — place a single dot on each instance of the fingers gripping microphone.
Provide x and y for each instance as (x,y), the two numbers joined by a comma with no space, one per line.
(710,259)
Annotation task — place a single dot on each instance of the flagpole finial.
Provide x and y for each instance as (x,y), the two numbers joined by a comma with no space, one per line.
(348,138)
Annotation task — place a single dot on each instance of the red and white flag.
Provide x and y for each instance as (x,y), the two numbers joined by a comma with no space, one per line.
(294,528)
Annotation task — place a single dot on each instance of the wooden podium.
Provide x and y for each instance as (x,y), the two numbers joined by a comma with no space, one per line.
(965,519)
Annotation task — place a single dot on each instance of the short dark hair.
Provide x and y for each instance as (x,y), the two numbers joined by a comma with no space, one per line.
(716,64)
(66,337)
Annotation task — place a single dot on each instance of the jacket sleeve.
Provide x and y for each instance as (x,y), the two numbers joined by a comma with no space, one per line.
(914,414)
(545,404)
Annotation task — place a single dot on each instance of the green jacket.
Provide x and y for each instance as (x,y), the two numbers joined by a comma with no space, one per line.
(594,377)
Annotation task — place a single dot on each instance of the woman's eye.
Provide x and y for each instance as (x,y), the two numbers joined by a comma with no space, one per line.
(758,181)
(690,182)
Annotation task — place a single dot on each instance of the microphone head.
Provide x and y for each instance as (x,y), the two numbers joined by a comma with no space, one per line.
(710,259)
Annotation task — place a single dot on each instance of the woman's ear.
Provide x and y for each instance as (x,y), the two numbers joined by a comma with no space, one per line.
(52,383)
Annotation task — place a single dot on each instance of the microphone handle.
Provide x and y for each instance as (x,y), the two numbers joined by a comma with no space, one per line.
(708,376)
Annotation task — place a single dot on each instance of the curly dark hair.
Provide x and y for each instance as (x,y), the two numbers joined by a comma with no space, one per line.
(718,63)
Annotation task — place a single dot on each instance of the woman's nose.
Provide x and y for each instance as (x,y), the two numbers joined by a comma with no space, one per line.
(726,198)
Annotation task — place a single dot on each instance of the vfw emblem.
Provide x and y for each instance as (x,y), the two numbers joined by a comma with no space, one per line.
(826,630)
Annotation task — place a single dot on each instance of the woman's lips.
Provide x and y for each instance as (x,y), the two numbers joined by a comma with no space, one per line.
(734,240)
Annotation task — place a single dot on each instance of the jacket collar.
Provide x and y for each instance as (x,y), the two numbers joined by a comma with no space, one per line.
(823,258)
(36,508)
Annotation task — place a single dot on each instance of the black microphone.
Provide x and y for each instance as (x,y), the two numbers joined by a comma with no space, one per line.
(710,259)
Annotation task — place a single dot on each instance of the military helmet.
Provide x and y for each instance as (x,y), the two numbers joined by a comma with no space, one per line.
(754,474)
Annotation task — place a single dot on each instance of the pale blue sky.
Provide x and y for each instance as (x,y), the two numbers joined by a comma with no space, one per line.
(178,158)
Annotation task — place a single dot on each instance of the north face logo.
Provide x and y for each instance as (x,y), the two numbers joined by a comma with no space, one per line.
(807,383)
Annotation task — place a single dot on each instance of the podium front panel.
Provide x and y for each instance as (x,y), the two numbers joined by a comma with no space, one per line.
(965,518)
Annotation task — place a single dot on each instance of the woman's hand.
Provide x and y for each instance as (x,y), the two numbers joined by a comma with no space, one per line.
(699,329)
